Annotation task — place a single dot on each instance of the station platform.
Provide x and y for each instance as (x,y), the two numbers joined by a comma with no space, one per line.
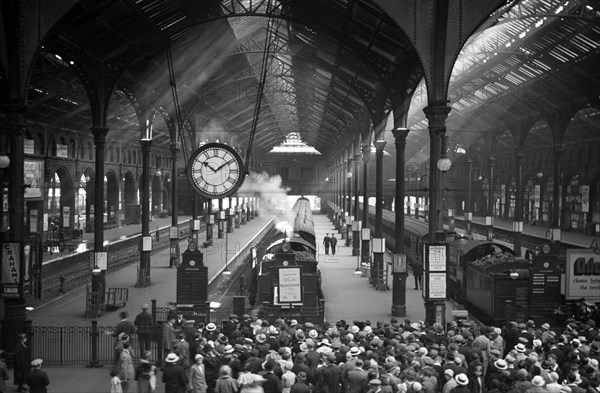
(69,308)
(567,237)
(351,298)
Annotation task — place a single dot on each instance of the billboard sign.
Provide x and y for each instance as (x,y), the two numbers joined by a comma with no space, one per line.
(582,274)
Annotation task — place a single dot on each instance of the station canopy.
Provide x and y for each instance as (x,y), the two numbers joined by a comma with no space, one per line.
(323,68)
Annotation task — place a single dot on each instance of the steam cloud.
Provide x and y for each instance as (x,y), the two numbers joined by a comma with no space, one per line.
(273,198)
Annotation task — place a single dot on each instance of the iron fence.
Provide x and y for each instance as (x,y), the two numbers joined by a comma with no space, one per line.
(94,345)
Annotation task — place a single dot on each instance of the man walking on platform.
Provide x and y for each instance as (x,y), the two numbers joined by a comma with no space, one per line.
(333,242)
(326,242)
(143,323)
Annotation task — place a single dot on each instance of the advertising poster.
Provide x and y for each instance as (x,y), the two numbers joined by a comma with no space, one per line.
(34,176)
(66,216)
(585,199)
(290,285)
(582,275)
(437,286)
(11,269)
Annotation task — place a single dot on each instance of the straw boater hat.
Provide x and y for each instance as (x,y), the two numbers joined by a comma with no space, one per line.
(172,358)
(520,348)
(211,327)
(462,379)
(501,364)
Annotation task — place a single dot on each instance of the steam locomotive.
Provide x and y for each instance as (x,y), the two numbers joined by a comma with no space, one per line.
(286,283)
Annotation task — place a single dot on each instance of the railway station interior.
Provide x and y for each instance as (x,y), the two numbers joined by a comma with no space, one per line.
(459,119)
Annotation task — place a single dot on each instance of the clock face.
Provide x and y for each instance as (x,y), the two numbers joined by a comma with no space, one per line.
(192,246)
(215,170)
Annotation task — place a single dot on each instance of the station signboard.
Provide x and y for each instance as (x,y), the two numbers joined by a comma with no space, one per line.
(582,275)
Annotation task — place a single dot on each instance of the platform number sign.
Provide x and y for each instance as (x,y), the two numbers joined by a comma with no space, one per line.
(582,274)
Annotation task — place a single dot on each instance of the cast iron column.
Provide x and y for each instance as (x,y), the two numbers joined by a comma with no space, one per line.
(342,229)
(98,281)
(348,227)
(230,216)
(356,229)
(144,271)
(556,196)
(14,317)
(366,252)
(174,260)
(489,219)
(378,256)
(220,223)
(399,283)
(518,221)
(468,209)
(436,115)
(209,223)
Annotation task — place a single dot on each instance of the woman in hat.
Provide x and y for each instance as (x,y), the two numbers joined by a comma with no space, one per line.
(174,377)
(22,361)
(198,376)
(37,379)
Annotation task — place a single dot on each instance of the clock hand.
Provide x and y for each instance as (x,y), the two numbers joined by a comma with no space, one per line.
(228,162)
(208,165)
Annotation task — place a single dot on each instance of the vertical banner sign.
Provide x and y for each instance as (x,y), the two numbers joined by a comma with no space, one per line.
(11,269)
(290,284)
(33,220)
(585,198)
(66,216)
(436,255)
(582,275)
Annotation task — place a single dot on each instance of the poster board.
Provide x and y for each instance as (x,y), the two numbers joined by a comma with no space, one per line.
(289,286)
(435,265)
(582,274)
(11,270)
(33,176)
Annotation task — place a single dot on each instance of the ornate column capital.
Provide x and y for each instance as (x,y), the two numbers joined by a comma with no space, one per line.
(366,152)
(379,145)
(436,114)
(400,135)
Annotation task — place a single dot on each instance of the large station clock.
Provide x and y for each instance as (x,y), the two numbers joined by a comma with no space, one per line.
(215,170)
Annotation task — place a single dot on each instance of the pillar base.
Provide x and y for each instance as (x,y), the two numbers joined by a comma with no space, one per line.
(398,310)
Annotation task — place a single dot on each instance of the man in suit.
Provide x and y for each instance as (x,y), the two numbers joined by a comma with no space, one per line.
(357,381)
(144,324)
(333,243)
(36,378)
(174,377)
(328,375)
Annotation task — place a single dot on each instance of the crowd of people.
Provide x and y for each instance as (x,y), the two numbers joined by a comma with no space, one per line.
(247,354)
